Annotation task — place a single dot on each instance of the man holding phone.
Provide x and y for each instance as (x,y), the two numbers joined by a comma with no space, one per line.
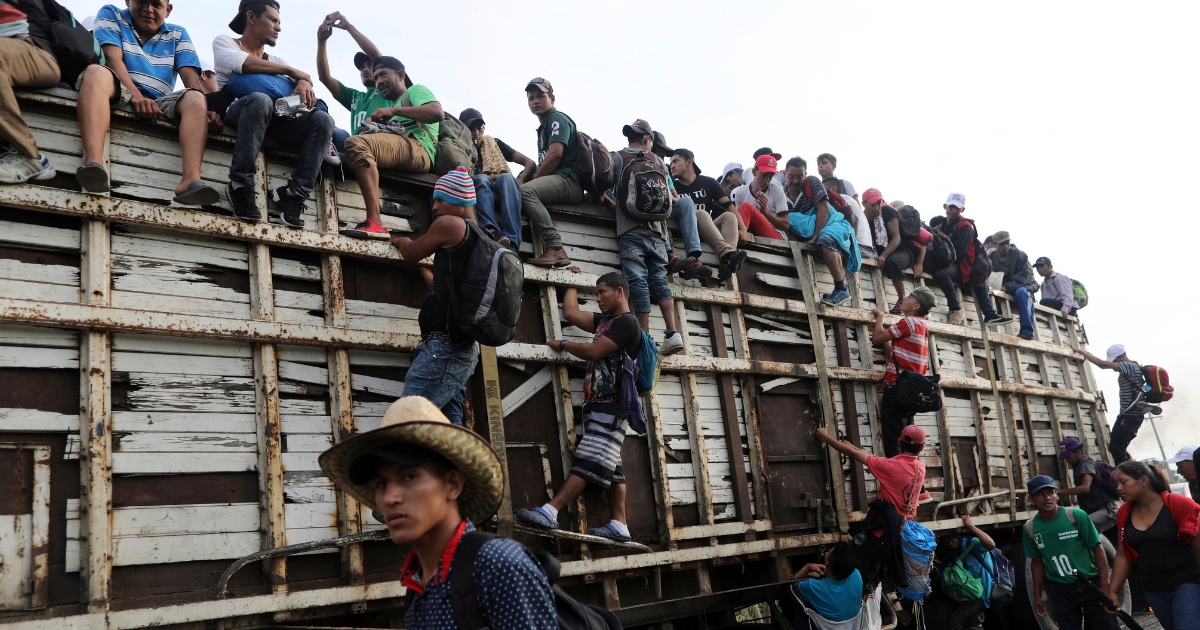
(361,104)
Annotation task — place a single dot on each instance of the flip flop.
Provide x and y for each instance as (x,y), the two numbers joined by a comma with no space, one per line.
(198,194)
(536,517)
(93,178)
(607,531)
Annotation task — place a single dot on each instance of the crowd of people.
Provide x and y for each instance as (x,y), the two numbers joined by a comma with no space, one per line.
(430,478)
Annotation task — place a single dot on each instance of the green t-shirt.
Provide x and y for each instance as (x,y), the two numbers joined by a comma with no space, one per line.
(426,134)
(1062,546)
(361,104)
(557,127)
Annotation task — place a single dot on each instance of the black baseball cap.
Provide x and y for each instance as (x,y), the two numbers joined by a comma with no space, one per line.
(238,25)
(1042,261)
(363,468)
(660,144)
(392,63)
(541,84)
(361,59)
(687,153)
(470,116)
(767,151)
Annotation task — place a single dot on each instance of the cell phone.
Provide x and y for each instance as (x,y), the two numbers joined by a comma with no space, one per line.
(329,19)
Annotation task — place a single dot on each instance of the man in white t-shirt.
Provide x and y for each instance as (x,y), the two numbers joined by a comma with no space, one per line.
(761,201)
(826,163)
(253,115)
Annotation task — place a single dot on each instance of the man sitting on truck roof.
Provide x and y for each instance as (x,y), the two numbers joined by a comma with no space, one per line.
(406,140)
(497,191)
(26,61)
(361,104)
(826,164)
(1057,289)
(761,201)
(431,482)
(143,55)
(833,232)
(1133,408)
(717,219)
(961,231)
(683,212)
(1100,507)
(894,252)
(597,458)
(1012,265)
(555,180)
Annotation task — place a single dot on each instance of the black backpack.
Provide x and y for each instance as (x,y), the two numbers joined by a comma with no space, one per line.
(917,393)
(939,253)
(61,35)
(642,188)
(485,297)
(572,615)
(910,221)
(1104,479)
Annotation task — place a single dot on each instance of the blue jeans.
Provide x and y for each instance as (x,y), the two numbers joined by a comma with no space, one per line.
(339,139)
(255,119)
(1025,308)
(440,370)
(644,261)
(1178,609)
(507,191)
(684,211)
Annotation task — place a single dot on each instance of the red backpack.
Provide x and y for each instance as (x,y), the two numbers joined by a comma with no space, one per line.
(1158,384)
(835,198)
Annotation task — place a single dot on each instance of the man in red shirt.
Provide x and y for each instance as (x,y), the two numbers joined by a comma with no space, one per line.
(906,347)
(901,477)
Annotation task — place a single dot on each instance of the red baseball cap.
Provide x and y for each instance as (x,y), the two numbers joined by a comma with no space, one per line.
(913,434)
(872,195)
(766,164)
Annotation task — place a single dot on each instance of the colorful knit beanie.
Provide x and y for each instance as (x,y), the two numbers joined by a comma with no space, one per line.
(455,188)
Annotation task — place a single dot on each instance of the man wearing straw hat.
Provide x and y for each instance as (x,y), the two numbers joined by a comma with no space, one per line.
(432,481)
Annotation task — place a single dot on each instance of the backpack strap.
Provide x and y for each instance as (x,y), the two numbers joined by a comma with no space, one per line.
(407,102)
(467,615)
(1029,528)
(971,547)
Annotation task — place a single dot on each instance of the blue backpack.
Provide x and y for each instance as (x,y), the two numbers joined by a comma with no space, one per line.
(917,543)
(1006,578)
(273,85)
(638,377)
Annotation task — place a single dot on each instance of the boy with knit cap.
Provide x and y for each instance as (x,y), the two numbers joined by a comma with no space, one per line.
(906,347)
(446,356)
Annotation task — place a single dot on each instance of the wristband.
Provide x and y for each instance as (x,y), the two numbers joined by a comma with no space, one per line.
(562,346)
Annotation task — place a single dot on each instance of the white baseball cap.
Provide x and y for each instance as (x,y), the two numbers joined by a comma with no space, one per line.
(1115,351)
(732,166)
(957,199)
(1184,455)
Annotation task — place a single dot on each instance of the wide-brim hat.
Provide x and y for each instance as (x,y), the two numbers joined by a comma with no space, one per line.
(413,420)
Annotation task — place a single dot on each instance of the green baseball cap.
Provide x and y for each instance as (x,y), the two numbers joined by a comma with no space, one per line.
(925,298)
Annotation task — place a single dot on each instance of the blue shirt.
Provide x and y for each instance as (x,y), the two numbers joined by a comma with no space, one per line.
(510,587)
(835,600)
(155,65)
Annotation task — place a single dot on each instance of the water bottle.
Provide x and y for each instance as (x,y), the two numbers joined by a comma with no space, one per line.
(290,106)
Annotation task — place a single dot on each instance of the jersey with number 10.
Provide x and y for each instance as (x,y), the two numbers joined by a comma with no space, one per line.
(1063,547)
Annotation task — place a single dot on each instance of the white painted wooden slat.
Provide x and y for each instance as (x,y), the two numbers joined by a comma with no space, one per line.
(308,443)
(366,358)
(299,301)
(33,272)
(299,462)
(177,249)
(374,385)
(33,420)
(180,304)
(199,241)
(38,336)
(124,342)
(187,443)
(301,354)
(303,373)
(177,520)
(38,291)
(526,390)
(158,277)
(39,358)
(181,364)
(310,515)
(295,269)
(307,487)
(39,236)
(292,423)
(167,549)
(182,463)
(180,422)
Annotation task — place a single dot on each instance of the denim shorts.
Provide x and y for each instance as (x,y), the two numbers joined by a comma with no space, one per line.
(440,371)
(644,261)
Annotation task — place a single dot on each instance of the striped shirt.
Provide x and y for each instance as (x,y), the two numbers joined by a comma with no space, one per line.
(153,66)
(910,348)
(1130,381)
(803,203)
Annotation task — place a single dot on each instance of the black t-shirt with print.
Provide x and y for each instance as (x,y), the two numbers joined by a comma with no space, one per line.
(887,213)
(704,191)
(625,332)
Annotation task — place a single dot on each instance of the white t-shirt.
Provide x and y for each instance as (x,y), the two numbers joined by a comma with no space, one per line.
(776,198)
(849,187)
(863,229)
(228,58)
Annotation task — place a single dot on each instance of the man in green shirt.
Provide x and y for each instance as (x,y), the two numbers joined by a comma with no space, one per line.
(405,140)
(1061,543)
(555,180)
(361,104)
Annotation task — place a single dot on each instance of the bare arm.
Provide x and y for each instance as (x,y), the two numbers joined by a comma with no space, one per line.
(778,222)
(445,232)
(1119,575)
(879,333)
(427,113)
(845,448)
(594,351)
(1102,565)
(258,65)
(1038,569)
(918,267)
(984,539)
(571,311)
(1084,487)
(144,107)
(366,45)
(1108,365)
(323,74)
(523,160)
(893,230)
(550,162)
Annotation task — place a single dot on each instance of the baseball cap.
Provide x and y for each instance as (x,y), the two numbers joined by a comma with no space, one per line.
(729,168)
(1039,483)
(238,25)
(1068,446)
(1042,261)
(206,65)
(540,84)
(913,434)
(872,195)
(766,163)
(637,127)
(958,200)
(361,58)
(392,63)
(1115,351)
(925,297)
(1183,455)
(470,116)
(1001,237)
(362,469)
(767,151)
(660,144)
(687,153)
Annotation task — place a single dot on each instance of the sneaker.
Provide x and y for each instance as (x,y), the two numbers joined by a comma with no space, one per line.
(331,155)
(1145,407)
(1026,336)
(290,207)
(93,178)
(924,497)
(552,257)
(535,517)
(368,229)
(15,168)
(671,345)
(735,259)
(607,531)
(696,270)
(678,265)
(996,319)
(396,210)
(837,298)
(956,317)
(896,307)
(242,199)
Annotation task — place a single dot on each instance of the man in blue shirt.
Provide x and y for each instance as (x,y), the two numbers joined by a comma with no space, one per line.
(144,55)
(832,589)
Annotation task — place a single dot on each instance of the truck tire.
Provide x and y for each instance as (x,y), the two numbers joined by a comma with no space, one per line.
(1021,607)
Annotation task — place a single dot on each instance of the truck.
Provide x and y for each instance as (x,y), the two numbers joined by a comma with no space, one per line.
(170,376)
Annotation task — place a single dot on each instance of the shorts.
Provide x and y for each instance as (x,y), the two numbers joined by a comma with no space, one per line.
(598,457)
(829,241)
(901,259)
(122,96)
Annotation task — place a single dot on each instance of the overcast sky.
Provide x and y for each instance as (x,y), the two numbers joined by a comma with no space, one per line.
(1072,125)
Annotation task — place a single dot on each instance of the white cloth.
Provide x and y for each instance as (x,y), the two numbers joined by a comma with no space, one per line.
(849,187)
(863,229)
(776,198)
(228,58)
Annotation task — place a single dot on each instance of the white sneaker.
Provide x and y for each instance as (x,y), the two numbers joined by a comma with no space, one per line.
(331,155)
(15,168)
(671,345)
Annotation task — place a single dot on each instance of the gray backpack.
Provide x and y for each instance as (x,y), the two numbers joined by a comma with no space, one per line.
(454,145)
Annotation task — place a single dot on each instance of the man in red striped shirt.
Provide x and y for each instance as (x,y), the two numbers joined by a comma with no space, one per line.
(906,347)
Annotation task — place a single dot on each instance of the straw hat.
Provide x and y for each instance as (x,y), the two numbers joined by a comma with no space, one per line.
(413,420)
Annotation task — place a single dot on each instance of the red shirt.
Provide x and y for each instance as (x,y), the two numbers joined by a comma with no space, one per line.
(910,348)
(900,480)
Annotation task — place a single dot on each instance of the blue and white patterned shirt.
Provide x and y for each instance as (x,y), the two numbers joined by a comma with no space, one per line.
(155,65)
(510,587)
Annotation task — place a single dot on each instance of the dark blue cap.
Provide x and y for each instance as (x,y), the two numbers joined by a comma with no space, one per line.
(1039,483)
